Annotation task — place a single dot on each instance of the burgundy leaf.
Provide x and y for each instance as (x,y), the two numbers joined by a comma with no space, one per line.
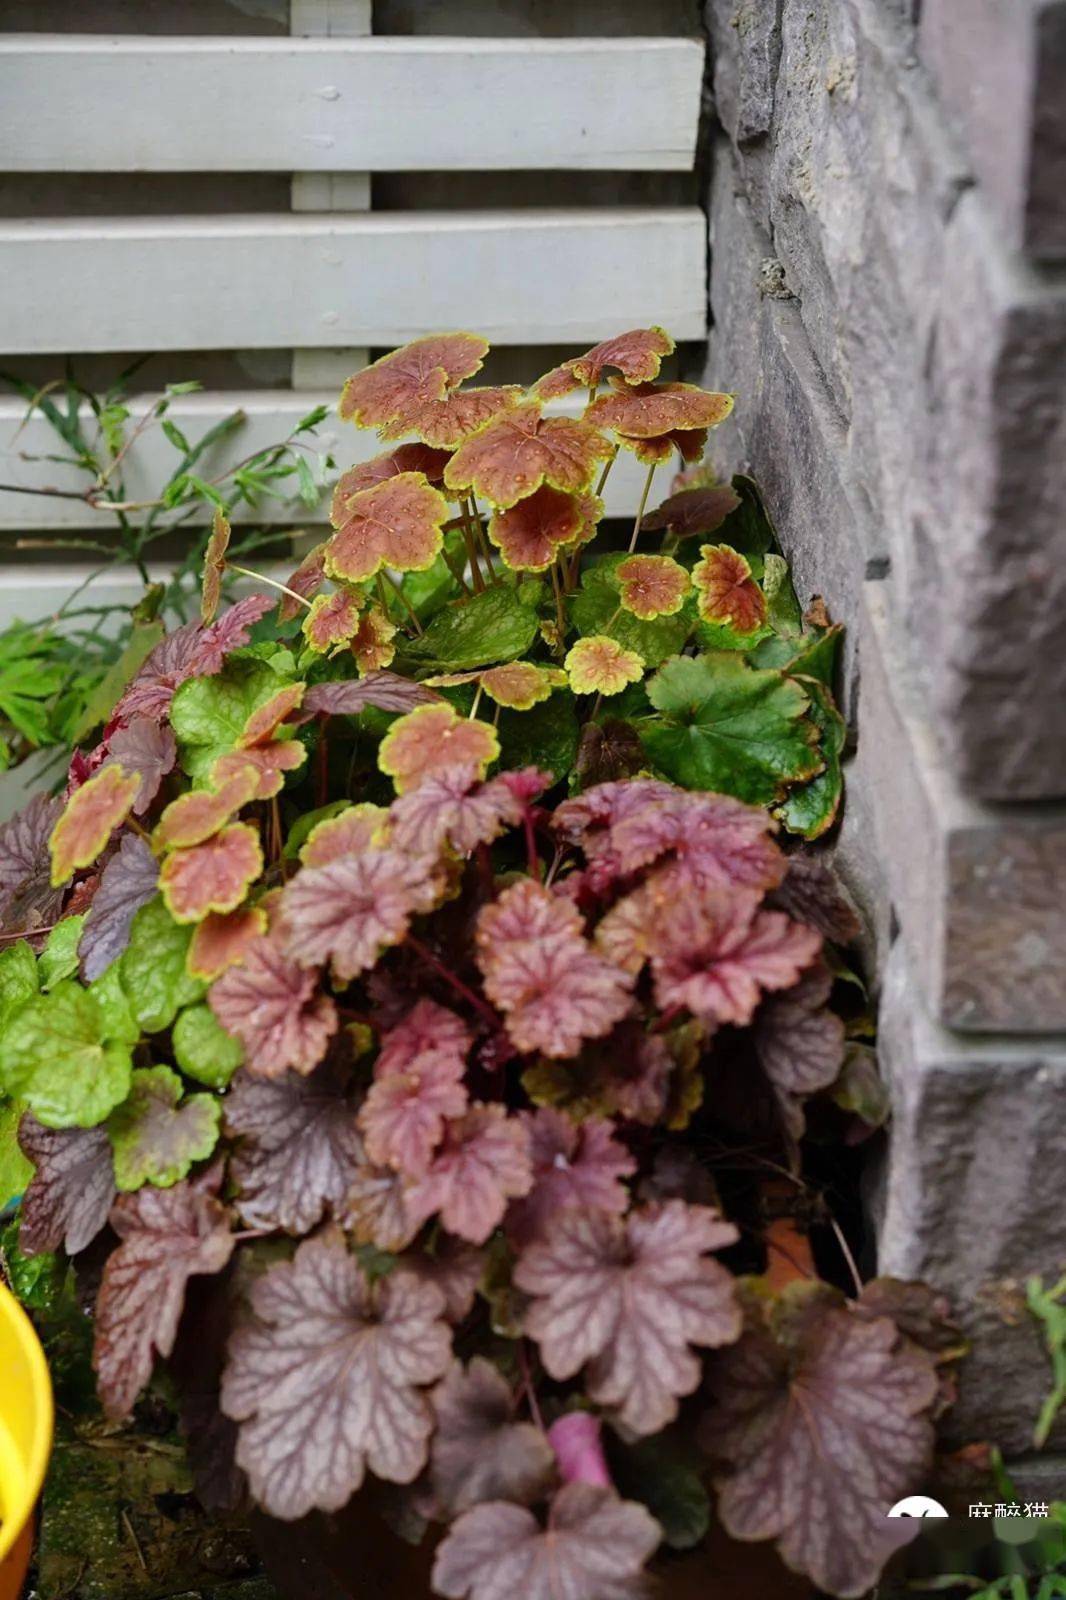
(376,1210)
(593,1548)
(191,651)
(299,1150)
(811,892)
(483,1162)
(167,1235)
(150,750)
(275,1009)
(353,909)
(479,1451)
(127,883)
(823,1419)
(72,1189)
(453,807)
(628,1299)
(799,1043)
(418,1084)
(27,899)
(305,581)
(573,1165)
(325,1378)
(385,691)
(227,633)
(697,510)
(539,969)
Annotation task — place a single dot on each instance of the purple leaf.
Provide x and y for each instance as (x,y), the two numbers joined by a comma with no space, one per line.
(128,882)
(147,748)
(386,691)
(71,1192)
(27,899)
(479,1451)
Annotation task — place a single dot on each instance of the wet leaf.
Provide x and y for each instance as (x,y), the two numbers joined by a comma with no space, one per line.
(445,423)
(371,644)
(693,511)
(652,586)
(599,665)
(728,594)
(597,609)
(453,807)
(396,524)
(627,1300)
(530,534)
(155,1135)
(166,1236)
(637,355)
(799,1043)
(306,580)
(496,625)
(646,410)
(729,728)
(188,652)
(406,378)
(402,458)
(325,1379)
(59,958)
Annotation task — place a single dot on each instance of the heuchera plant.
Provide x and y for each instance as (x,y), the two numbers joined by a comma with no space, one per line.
(411,1027)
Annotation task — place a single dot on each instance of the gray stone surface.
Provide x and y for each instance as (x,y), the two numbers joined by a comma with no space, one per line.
(925,358)
(977,890)
(972,1198)
(1000,67)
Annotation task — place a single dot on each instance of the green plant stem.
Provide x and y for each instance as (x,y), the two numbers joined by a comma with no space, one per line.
(455,572)
(272,583)
(477,702)
(640,508)
(471,556)
(404,601)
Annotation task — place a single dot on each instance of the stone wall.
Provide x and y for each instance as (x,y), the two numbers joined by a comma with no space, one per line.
(888,235)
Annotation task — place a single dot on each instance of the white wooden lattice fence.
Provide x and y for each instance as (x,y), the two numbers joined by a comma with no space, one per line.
(331,279)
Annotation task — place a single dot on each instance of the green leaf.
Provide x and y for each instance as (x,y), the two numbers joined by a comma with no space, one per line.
(813,655)
(15,1170)
(152,968)
(782,606)
(811,808)
(595,609)
(309,490)
(203,1049)
(728,728)
(428,591)
(155,1135)
(120,1025)
(545,736)
(37,1282)
(55,1054)
(208,714)
(59,958)
(18,978)
(498,625)
(748,528)
(657,1474)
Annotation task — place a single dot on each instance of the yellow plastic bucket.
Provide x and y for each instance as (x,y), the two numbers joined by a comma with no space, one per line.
(25,1439)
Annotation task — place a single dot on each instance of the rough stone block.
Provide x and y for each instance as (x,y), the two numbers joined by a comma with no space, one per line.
(1000,68)
(977,889)
(746,47)
(971,1198)
(994,471)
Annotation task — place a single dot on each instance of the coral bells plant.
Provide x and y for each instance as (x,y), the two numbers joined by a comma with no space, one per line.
(398,1039)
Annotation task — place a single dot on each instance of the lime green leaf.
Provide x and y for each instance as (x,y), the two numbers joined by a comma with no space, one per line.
(18,978)
(203,1049)
(498,625)
(782,607)
(595,609)
(208,714)
(59,958)
(728,728)
(813,655)
(545,736)
(15,1170)
(55,1054)
(120,1025)
(152,968)
(811,808)
(155,1135)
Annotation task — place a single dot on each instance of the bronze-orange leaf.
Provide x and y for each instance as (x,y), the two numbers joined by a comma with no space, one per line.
(528,535)
(420,371)
(397,524)
(332,619)
(213,876)
(645,410)
(510,457)
(443,424)
(727,591)
(194,817)
(221,940)
(89,818)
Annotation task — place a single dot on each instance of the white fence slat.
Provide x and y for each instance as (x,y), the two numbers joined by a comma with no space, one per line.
(270,281)
(270,415)
(89,103)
